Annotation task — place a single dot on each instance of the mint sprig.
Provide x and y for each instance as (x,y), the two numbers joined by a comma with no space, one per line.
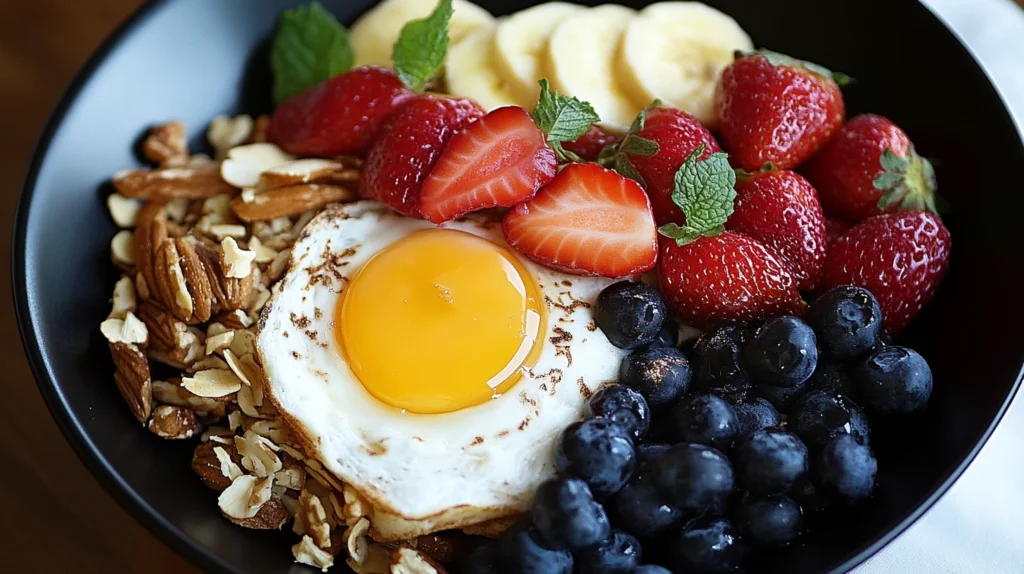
(421,47)
(704,191)
(310,46)
(631,143)
(563,119)
(777,59)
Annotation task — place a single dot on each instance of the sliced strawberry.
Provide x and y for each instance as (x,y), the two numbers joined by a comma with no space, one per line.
(589,145)
(726,276)
(500,159)
(407,147)
(781,209)
(587,221)
(339,116)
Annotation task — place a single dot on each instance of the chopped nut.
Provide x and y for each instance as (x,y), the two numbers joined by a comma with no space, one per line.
(245,163)
(235,420)
(172,393)
(132,378)
(356,540)
(315,519)
(355,507)
(226,132)
(279,265)
(216,465)
(306,552)
(188,346)
(222,230)
(171,183)
(130,330)
(263,253)
(124,211)
(317,471)
(405,560)
(273,515)
(257,455)
(124,300)
(166,143)
(219,204)
(235,320)
(271,429)
(297,171)
(176,209)
(260,296)
(174,422)
(122,249)
(212,383)
(290,200)
(292,452)
(237,262)
(291,477)
(245,496)
(218,343)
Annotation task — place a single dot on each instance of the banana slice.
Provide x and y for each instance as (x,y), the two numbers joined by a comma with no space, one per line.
(581,62)
(373,35)
(676,51)
(469,70)
(519,46)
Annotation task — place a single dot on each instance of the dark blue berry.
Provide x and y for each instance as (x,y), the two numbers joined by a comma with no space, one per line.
(485,559)
(782,398)
(644,510)
(599,451)
(624,406)
(820,416)
(832,376)
(772,461)
(783,352)
(661,375)
(523,552)
(694,476)
(618,554)
(651,569)
(630,314)
(810,497)
(707,545)
(718,362)
(566,515)
(667,337)
(705,419)
(894,380)
(771,520)
(846,468)
(754,414)
(847,320)
(649,452)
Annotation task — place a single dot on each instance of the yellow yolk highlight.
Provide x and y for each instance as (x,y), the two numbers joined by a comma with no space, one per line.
(439,321)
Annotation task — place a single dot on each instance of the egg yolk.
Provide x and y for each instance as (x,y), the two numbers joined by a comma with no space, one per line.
(439,321)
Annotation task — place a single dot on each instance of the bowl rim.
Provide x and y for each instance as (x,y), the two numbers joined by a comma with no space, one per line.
(168,533)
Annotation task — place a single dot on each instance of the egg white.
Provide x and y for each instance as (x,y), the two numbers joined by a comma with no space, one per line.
(423,472)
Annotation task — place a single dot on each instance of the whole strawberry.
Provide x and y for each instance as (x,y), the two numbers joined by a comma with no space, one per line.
(870,167)
(590,145)
(900,257)
(339,116)
(658,142)
(835,228)
(707,274)
(407,147)
(781,209)
(774,108)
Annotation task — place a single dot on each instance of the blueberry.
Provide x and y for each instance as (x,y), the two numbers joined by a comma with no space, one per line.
(649,452)
(717,360)
(694,476)
(705,419)
(783,352)
(484,559)
(667,337)
(755,414)
(847,320)
(894,380)
(771,461)
(566,515)
(651,569)
(618,554)
(707,545)
(630,314)
(846,468)
(832,376)
(810,497)
(643,510)
(771,520)
(624,406)
(661,375)
(820,416)
(782,398)
(523,552)
(599,451)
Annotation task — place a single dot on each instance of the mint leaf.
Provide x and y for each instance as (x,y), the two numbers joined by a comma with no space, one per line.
(907,182)
(310,46)
(421,47)
(777,59)
(704,192)
(632,144)
(563,119)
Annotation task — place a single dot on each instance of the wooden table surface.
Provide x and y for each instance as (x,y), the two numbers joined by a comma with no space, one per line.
(54,517)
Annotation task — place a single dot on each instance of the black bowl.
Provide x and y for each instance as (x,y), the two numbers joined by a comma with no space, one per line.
(193,59)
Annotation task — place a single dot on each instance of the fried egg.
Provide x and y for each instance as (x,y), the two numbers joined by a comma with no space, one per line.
(429,368)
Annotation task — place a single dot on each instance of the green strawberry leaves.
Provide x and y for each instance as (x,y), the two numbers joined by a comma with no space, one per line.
(563,119)
(777,59)
(421,47)
(704,191)
(615,155)
(907,182)
(310,46)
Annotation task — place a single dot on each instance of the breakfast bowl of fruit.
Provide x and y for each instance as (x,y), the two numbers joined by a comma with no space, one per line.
(432,286)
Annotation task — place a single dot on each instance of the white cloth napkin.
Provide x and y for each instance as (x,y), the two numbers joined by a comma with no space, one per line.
(978,526)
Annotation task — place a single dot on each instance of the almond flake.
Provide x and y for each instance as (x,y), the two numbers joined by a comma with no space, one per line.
(123,210)
(215,328)
(315,518)
(306,552)
(245,163)
(257,456)
(226,132)
(355,507)
(238,261)
(130,330)
(405,560)
(356,541)
(172,394)
(235,420)
(290,478)
(209,362)
(227,466)
(122,248)
(124,300)
(264,254)
(292,452)
(247,402)
(222,230)
(219,342)
(245,496)
(297,171)
(176,209)
(212,383)
(219,204)
(273,430)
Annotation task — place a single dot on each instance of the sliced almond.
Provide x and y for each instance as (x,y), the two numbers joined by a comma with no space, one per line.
(123,210)
(218,343)
(245,163)
(308,553)
(176,209)
(245,496)
(237,261)
(222,230)
(171,183)
(290,200)
(226,132)
(263,253)
(122,248)
(219,204)
(257,456)
(124,300)
(212,383)
(172,393)
(130,330)
(297,171)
